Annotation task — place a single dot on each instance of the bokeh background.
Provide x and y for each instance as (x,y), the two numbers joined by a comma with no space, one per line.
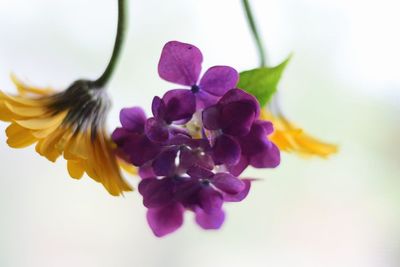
(342,85)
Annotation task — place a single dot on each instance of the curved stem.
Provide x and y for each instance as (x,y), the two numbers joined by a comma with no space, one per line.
(254,31)
(105,77)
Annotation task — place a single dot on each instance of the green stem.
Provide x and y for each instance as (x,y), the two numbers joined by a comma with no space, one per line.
(119,39)
(254,31)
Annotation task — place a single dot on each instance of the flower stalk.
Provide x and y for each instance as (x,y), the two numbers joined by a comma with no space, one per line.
(119,39)
(254,31)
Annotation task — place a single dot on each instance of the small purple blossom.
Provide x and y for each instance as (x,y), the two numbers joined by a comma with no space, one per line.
(176,107)
(256,149)
(228,120)
(131,139)
(191,152)
(180,63)
(203,193)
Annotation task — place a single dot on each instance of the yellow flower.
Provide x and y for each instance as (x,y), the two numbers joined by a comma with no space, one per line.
(290,138)
(69,124)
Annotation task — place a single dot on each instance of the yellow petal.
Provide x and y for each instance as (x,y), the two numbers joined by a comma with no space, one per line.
(26,111)
(90,168)
(75,169)
(6,114)
(47,146)
(25,89)
(290,138)
(19,137)
(43,133)
(23,101)
(105,174)
(102,166)
(76,147)
(283,140)
(42,123)
(312,146)
(61,145)
(129,168)
(112,160)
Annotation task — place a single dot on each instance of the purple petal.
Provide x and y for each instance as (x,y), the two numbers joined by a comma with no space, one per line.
(267,126)
(140,149)
(147,186)
(210,199)
(192,151)
(237,118)
(165,220)
(228,183)
(187,192)
(238,95)
(205,100)
(176,130)
(205,161)
(156,131)
(255,141)
(186,158)
(133,119)
(158,108)
(211,118)
(189,158)
(146,172)
(120,136)
(199,172)
(238,168)
(226,150)
(180,63)
(164,164)
(180,139)
(180,105)
(241,195)
(143,185)
(219,79)
(261,152)
(269,157)
(156,192)
(210,221)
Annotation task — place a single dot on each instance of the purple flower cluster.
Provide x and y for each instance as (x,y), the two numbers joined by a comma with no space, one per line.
(198,141)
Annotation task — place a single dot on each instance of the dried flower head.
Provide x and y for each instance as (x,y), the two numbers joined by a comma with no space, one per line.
(71,124)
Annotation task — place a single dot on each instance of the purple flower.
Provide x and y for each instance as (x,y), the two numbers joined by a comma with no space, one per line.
(203,192)
(176,106)
(131,138)
(256,149)
(180,63)
(191,152)
(230,118)
(165,211)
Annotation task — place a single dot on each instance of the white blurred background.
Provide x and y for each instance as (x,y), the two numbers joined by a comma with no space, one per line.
(342,85)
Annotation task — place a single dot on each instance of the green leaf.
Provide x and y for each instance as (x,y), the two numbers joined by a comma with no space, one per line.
(262,82)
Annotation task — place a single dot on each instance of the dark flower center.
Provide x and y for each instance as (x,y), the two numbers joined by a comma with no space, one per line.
(87,106)
(195,88)
(205,182)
